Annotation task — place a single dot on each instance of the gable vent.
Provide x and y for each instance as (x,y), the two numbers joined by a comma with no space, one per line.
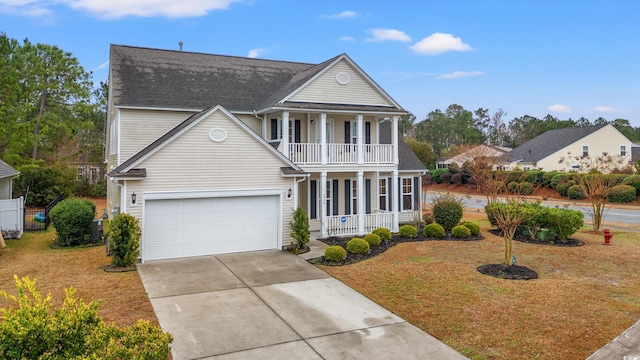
(217,135)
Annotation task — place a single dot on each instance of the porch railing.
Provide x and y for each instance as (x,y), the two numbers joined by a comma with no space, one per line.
(311,153)
(344,225)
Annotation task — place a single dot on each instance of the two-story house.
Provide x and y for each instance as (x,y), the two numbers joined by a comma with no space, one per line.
(214,153)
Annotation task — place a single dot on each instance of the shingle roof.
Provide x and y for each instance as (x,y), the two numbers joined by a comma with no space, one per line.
(546,144)
(6,170)
(143,77)
(407,160)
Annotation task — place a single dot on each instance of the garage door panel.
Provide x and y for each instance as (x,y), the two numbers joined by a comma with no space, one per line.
(193,227)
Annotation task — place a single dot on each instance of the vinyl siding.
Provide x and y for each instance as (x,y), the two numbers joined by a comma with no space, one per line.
(608,139)
(193,162)
(251,121)
(5,188)
(325,89)
(139,128)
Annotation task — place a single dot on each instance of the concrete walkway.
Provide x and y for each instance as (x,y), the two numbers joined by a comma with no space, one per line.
(274,305)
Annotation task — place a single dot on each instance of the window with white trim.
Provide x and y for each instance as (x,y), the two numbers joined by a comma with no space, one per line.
(382,194)
(329,194)
(623,150)
(407,194)
(354,196)
(585,150)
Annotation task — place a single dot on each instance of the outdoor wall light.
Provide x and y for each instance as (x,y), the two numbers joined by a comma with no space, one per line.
(133,199)
(289,193)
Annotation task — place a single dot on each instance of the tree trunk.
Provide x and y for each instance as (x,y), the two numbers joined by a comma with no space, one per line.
(36,130)
(2,243)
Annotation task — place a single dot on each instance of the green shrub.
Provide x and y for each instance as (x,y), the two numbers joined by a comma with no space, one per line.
(358,246)
(564,222)
(433,230)
(526,188)
(616,179)
(490,209)
(576,192)
(514,176)
(299,226)
(460,232)
(546,178)
(372,239)
(621,194)
(446,178)
(72,219)
(408,231)
(562,189)
(436,174)
(633,180)
(512,187)
(535,177)
(559,179)
(41,185)
(447,210)
(473,228)
(335,253)
(31,329)
(384,233)
(124,240)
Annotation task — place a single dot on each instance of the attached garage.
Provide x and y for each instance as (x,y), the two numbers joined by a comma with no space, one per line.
(183,226)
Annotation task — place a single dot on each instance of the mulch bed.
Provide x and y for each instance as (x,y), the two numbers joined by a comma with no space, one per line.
(513,272)
(379,249)
(527,239)
(113,268)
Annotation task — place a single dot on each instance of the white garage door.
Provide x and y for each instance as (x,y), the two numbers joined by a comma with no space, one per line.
(176,228)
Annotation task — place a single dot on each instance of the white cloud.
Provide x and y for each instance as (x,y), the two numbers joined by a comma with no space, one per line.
(460,74)
(346,38)
(437,43)
(149,8)
(29,8)
(604,109)
(254,53)
(103,65)
(347,14)
(388,34)
(559,108)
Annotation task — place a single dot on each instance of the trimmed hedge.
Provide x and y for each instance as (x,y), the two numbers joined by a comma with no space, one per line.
(72,219)
(633,180)
(372,239)
(576,192)
(383,233)
(460,232)
(473,228)
(447,210)
(124,240)
(408,231)
(358,246)
(559,179)
(621,194)
(335,253)
(433,230)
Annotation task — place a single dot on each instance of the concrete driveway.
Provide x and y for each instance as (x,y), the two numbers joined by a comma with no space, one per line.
(274,305)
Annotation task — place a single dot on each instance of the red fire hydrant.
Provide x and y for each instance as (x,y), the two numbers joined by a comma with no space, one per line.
(607,237)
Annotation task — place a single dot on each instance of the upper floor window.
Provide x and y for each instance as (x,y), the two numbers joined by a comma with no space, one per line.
(623,150)
(585,150)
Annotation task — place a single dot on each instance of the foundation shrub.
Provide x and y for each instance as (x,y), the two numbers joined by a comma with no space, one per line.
(460,232)
(621,194)
(433,230)
(335,253)
(358,246)
(383,233)
(473,228)
(372,239)
(124,240)
(408,231)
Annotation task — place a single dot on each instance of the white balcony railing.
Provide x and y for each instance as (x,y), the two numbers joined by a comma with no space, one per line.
(344,225)
(311,154)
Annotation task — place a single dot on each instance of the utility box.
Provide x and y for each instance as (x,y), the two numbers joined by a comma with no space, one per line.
(96,230)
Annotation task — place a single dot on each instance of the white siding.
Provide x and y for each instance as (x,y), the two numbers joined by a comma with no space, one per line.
(5,188)
(326,89)
(194,162)
(251,121)
(139,128)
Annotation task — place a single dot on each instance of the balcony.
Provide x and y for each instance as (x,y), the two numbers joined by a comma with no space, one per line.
(339,154)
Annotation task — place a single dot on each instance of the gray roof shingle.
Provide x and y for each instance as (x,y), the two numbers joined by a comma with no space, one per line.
(548,143)
(407,160)
(6,170)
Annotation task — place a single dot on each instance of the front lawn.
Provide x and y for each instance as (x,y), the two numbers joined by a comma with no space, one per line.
(584,297)
(123,297)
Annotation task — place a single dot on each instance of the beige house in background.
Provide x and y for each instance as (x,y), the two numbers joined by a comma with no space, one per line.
(214,153)
(487,152)
(551,150)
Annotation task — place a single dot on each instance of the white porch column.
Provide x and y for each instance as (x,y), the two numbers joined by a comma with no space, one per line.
(285,133)
(360,141)
(323,204)
(395,197)
(394,139)
(264,127)
(361,205)
(323,139)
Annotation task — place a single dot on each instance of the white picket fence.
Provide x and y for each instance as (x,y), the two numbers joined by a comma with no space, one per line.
(12,217)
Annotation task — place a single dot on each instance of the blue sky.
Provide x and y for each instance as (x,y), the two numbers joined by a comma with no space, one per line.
(565,58)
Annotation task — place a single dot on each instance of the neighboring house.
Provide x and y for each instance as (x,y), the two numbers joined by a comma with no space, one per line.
(7,174)
(635,152)
(488,153)
(547,151)
(213,153)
